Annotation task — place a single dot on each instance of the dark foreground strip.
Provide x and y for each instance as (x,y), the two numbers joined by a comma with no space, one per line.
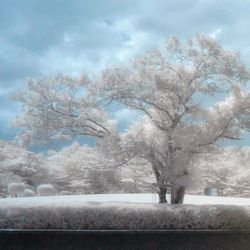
(125,239)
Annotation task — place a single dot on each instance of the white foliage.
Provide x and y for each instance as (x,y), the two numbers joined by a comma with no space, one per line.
(83,169)
(227,169)
(45,190)
(60,108)
(28,193)
(16,189)
(163,85)
(19,165)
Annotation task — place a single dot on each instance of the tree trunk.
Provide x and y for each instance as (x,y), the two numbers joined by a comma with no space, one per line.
(162,195)
(162,189)
(177,194)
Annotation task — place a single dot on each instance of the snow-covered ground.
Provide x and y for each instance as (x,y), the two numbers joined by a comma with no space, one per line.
(137,198)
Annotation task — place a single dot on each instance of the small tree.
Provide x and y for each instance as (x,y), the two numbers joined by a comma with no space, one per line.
(16,189)
(28,193)
(83,168)
(19,165)
(226,168)
(45,190)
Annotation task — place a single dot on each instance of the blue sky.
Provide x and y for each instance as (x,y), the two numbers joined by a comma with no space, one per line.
(42,37)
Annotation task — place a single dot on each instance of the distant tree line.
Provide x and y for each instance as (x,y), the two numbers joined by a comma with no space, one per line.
(78,169)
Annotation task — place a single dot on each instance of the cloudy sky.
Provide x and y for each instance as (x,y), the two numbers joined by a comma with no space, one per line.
(42,37)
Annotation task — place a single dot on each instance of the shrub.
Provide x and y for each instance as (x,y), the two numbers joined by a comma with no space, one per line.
(16,189)
(64,193)
(45,190)
(28,193)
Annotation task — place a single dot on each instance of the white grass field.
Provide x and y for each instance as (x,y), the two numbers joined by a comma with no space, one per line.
(136,198)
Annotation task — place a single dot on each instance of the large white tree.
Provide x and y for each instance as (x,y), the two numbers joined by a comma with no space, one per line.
(167,86)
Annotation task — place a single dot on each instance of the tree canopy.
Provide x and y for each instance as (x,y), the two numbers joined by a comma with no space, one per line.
(163,85)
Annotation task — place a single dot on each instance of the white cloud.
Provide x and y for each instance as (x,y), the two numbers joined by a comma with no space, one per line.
(215,33)
(87,35)
(126,115)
